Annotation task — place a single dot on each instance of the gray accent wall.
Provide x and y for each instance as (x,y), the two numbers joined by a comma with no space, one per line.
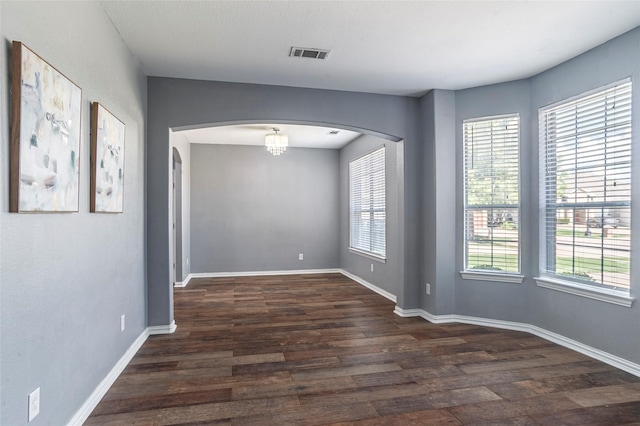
(179,104)
(437,111)
(385,275)
(430,247)
(608,327)
(65,279)
(487,299)
(611,328)
(252,211)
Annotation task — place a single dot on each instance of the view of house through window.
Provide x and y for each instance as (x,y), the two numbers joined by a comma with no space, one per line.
(491,194)
(367,204)
(585,147)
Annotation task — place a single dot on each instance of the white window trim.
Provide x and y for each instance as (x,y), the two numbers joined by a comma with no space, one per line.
(492,276)
(621,298)
(487,275)
(368,255)
(355,250)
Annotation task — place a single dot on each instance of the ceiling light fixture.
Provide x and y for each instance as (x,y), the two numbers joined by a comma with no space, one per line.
(276,143)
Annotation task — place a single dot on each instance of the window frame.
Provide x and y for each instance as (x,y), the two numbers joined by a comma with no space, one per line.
(381,257)
(487,274)
(552,279)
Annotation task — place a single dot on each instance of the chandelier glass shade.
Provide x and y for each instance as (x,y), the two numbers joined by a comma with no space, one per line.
(276,143)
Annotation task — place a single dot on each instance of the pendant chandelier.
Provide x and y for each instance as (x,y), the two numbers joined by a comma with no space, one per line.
(276,143)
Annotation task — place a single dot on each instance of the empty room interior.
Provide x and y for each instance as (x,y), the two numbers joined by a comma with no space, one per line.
(359,212)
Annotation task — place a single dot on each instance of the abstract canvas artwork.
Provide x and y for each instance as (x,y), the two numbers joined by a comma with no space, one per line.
(45,136)
(107,161)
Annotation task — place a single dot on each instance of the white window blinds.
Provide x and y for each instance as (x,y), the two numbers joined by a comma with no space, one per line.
(367,203)
(585,148)
(491,194)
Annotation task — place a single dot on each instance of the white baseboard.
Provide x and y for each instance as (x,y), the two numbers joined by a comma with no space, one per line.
(253,274)
(99,392)
(91,403)
(370,286)
(162,329)
(183,283)
(258,273)
(356,278)
(600,355)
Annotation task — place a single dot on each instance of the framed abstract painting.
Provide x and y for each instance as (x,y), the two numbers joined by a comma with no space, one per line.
(107,161)
(45,136)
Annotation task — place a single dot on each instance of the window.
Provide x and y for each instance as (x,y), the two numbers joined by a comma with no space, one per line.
(491,194)
(367,204)
(585,188)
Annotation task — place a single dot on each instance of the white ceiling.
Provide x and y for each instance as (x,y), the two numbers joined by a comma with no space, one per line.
(253,134)
(388,47)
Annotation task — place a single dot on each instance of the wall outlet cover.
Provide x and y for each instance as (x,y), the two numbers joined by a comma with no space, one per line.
(34,404)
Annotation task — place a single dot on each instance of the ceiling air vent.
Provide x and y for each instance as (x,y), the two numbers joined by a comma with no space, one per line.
(333,132)
(305,52)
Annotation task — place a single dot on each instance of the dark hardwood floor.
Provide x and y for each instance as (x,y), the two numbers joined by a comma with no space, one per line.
(321,349)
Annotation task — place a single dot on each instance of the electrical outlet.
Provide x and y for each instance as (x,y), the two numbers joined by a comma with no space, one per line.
(428,287)
(34,404)
(300,256)
(122,322)
(372,267)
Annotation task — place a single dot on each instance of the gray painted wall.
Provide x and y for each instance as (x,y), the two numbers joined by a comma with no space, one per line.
(432,236)
(65,279)
(178,104)
(608,327)
(437,109)
(252,211)
(385,275)
(487,299)
(576,317)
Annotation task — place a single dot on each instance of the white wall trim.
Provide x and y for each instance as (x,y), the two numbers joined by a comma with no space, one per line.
(368,255)
(492,276)
(258,273)
(183,283)
(347,274)
(373,287)
(90,404)
(99,392)
(603,294)
(162,329)
(613,360)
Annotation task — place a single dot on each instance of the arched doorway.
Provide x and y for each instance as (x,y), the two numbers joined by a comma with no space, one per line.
(226,241)
(175,104)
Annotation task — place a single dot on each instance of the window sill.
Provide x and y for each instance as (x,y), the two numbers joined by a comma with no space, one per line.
(492,276)
(602,294)
(368,255)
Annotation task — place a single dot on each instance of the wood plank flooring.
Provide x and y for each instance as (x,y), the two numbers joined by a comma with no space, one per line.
(321,349)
